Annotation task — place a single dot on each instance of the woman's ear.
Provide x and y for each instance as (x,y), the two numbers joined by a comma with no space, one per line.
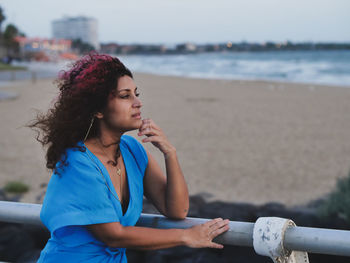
(99,115)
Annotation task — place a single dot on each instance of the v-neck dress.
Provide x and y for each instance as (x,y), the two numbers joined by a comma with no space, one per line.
(84,194)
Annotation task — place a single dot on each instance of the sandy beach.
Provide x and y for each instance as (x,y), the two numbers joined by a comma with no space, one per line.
(240,141)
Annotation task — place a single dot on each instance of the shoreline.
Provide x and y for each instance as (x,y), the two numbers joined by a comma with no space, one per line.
(240,141)
(42,74)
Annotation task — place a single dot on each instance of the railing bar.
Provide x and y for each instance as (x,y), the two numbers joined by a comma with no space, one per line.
(314,240)
(240,233)
(318,240)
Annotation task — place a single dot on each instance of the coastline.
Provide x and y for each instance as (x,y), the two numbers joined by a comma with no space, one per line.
(238,140)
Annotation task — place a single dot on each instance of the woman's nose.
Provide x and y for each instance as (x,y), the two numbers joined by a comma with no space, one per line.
(137,103)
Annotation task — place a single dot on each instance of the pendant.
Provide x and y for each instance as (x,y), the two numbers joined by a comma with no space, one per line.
(119,171)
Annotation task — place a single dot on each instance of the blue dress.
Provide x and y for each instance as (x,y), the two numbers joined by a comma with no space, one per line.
(80,196)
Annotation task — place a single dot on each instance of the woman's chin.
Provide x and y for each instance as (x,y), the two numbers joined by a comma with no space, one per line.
(135,125)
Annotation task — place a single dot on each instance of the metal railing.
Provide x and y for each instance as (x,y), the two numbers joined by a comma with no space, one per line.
(14,75)
(294,238)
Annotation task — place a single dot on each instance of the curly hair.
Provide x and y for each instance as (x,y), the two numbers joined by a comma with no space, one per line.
(84,91)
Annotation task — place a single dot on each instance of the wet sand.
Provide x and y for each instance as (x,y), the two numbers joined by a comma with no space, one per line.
(240,141)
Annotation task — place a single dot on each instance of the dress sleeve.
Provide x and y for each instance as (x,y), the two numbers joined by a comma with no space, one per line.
(78,196)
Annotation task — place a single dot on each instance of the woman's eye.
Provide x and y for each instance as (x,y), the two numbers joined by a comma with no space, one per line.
(128,96)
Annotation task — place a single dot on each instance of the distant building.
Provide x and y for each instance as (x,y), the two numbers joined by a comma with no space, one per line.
(110,48)
(186,47)
(45,49)
(114,48)
(81,27)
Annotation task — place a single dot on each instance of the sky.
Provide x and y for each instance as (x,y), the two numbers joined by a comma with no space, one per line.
(197,21)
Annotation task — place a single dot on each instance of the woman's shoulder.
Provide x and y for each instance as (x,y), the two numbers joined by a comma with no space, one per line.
(77,153)
(75,156)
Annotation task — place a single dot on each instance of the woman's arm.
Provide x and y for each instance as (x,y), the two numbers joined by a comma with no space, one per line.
(116,235)
(169,194)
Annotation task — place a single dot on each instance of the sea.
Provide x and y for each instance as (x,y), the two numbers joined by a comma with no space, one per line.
(315,67)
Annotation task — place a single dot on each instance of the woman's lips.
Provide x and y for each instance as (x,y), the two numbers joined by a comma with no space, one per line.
(136,116)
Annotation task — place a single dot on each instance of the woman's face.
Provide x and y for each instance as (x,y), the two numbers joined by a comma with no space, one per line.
(123,108)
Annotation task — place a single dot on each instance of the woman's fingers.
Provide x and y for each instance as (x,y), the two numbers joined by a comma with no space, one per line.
(148,127)
(217,227)
(216,245)
(153,138)
(148,123)
(213,221)
(156,136)
(152,131)
(202,235)
(220,223)
(148,132)
(219,231)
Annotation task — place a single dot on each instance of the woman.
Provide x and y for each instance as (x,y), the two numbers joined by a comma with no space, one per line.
(94,197)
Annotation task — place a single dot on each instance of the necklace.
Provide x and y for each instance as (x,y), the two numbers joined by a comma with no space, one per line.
(114,163)
(116,197)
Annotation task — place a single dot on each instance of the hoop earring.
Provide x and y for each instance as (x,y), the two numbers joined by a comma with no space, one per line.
(88,131)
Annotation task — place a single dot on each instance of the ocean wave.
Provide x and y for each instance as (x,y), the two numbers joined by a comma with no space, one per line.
(319,67)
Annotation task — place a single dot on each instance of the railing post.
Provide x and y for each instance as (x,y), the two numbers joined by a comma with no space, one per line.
(13,75)
(268,240)
(34,77)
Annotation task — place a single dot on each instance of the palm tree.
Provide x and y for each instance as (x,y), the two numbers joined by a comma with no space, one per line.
(2,18)
(9,41)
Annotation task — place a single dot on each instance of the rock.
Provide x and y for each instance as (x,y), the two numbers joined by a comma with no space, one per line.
(6,196)
(14,242)
(30,256)
(40,196)
(3,196)
(148,207)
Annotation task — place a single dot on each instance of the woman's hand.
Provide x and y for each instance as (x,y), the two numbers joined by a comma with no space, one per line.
(155,136)
(202,235)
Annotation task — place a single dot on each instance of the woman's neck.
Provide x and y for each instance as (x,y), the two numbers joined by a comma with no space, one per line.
(106,142)
(109,141)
